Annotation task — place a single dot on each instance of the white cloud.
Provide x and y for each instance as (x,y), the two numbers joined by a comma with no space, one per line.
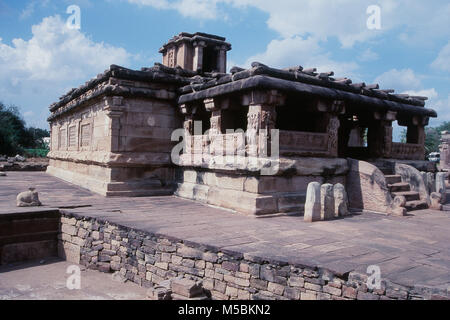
(400,80)
(429,93)
(368,55)
(442,107)
(306,52)
(37,71)
(198,9)
(443,59)
(343,19)
(28,11)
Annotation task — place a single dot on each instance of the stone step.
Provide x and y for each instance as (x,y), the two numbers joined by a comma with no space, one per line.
(399,186)
(416,205)
(409,195)
(393,178)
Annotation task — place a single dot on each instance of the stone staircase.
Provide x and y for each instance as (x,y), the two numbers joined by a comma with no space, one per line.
(398,188)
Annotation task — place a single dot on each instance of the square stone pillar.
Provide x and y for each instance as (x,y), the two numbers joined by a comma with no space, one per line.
(114,110)
(222,59)
(198,55)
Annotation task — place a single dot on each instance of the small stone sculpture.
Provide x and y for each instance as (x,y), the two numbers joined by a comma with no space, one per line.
(28,198)
(340,201)
(436,199)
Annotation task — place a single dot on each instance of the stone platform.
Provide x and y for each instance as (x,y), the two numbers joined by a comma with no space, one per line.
(412,252)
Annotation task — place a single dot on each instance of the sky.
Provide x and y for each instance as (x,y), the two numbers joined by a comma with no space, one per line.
(406,47)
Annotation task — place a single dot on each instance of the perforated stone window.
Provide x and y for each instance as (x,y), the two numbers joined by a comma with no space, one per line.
(85,135)
(62,138)
(72,136)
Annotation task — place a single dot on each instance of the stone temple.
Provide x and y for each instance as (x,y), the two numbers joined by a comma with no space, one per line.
(251,140)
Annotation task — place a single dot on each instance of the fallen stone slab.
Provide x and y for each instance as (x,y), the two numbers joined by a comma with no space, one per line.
(186,288)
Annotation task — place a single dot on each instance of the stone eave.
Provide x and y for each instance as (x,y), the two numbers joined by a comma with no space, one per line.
(297,74)
(265,82)
(114,90)
(159,74)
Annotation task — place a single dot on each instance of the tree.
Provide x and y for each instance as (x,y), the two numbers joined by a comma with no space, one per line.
(13,134)
(432,140)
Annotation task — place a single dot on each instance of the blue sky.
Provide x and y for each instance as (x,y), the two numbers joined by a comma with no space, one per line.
(41,59)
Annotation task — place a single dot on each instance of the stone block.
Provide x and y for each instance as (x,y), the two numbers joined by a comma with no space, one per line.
(326,202)
(308,295)
(186,288)
(69,229)
(312,204)
(340,200)
(275,288)
(441,186)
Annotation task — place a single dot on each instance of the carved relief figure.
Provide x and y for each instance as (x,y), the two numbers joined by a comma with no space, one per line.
(333,128)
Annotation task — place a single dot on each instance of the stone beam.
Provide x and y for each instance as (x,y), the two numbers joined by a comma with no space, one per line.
(263,97)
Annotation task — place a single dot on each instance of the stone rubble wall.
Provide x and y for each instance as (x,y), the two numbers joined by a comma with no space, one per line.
(149,259)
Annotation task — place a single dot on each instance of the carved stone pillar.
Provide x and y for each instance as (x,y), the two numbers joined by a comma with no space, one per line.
(333,129)
(421,142)
(198,55)
(114,110)
(261,119)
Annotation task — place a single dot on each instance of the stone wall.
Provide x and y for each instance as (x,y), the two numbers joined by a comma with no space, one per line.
(126,151)
(148,259)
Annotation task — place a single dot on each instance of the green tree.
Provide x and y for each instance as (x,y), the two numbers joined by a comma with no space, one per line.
(432,140)
(14,136)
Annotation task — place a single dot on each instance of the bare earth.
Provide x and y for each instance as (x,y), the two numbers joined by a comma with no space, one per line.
(412,250)
(46,280)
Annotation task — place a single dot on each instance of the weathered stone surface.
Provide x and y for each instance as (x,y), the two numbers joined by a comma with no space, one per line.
(436,201)
(186,288)
(159,293)
(366,188)
(312,204)
(340,200)
(440,186)
(326,202)
(431,182)
(414,178)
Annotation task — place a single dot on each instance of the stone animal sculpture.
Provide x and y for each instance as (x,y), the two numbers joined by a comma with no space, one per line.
(28,198)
